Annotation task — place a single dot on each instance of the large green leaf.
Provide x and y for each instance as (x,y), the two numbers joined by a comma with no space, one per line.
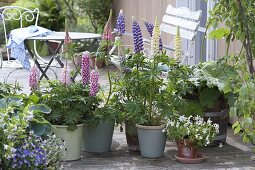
(219,33)
(41,108)
(40,129)
(216,74)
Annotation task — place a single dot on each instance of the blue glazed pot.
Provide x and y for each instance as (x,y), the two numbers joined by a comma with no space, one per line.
(98,138)
(152,140)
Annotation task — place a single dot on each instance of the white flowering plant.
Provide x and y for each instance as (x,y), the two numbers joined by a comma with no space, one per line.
(196,129)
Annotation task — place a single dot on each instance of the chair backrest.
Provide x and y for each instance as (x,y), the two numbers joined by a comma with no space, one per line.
(24,17)
(187,20)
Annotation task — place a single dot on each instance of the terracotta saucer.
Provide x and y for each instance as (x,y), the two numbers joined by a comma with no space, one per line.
(199,159)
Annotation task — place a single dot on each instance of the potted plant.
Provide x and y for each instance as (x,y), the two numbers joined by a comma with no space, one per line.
(208,94)
(147,103)
(24,137)
(190,133)
(99,124)
(70,101)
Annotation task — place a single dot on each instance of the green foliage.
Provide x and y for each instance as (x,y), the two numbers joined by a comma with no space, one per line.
(238,17)
(140,89)
(51,16)
(204,87)
(8,89)
(219,33)
(18,117)
(69,103)
(96,10)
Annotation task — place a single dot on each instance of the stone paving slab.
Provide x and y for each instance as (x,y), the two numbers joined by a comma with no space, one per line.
(227,157)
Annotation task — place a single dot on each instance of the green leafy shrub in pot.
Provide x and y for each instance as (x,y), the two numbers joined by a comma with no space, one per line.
(69,103)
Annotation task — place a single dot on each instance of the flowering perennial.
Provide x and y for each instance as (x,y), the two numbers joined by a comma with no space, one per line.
(155,39)
(137,35)
(66,76)
(67,39)
(178,45)
(120,25)
(107,34)
(29,154)
(200,132)
(33,78)
(94,85)
(149,26)
(85,68)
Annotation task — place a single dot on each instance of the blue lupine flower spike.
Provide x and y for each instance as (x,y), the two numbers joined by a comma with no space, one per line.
(137,36)
(120,23)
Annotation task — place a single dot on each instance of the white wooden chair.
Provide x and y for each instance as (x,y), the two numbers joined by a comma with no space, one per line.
(187,20)
(16,13)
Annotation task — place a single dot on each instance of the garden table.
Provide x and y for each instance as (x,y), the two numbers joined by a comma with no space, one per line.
(57,36)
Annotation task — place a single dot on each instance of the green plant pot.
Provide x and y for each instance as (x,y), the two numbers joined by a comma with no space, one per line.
(152,140)
(72,138)
(98,138)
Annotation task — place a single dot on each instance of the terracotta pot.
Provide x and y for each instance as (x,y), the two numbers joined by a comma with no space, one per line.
(186,149)
(131,136)
(100,63)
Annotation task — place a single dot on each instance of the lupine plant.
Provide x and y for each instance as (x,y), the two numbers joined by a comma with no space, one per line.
(178,45)
(120,25)
(149,26)
(137,36)
(106,43)
(34,78)
(85,72)
(140,87)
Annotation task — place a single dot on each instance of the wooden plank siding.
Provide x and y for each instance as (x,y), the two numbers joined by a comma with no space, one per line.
(147,9)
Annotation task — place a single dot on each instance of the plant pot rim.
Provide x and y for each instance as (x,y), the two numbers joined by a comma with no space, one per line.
(65,126)
(160,127)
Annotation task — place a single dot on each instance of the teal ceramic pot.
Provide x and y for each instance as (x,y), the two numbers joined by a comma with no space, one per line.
(73,140)
(98,138)
(152,140)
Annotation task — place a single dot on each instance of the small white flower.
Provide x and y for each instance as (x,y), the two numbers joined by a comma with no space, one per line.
(6,147)
(182,118)
(220,146)
(209,122)
(13,150)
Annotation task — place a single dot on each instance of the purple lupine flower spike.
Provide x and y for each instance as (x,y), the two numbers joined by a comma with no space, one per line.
(149,26)
(137,35)
(34,78)
(94,85)
(65,76)
(120,23)
(85,68)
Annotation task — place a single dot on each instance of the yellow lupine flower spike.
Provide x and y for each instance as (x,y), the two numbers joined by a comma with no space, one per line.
(155,39)
(178,45)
